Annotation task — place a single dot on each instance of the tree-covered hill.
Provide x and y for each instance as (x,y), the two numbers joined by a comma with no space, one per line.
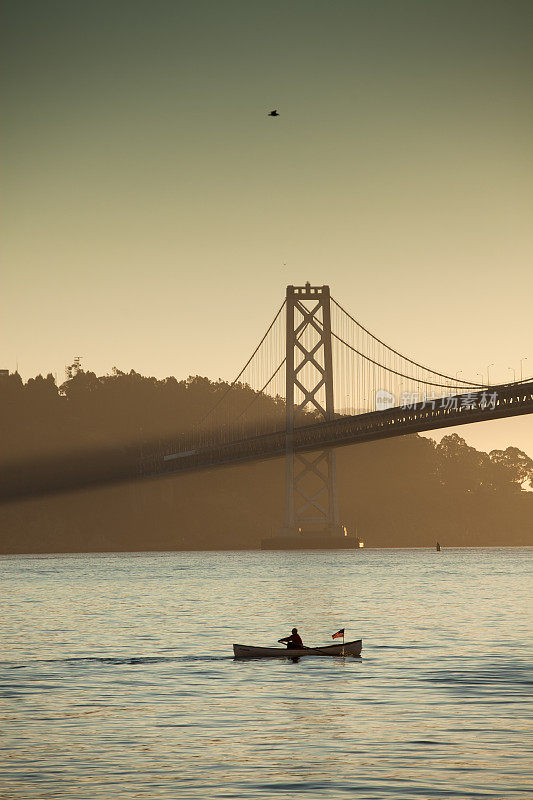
(406,491)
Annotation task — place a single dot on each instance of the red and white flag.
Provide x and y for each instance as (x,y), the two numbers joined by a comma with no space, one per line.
(338,635)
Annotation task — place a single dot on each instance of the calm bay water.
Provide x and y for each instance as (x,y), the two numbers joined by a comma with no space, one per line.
(118,678)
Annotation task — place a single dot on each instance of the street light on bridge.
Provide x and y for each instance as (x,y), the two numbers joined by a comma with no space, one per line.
(514,373)
(488,373)
(522,359)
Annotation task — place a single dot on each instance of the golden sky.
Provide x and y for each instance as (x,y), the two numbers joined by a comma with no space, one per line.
(153,213)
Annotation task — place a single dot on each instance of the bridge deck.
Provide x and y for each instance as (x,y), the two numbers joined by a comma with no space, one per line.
(498,402)
(115,465)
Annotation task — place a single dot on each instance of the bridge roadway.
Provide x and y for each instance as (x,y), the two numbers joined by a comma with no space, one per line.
(496,402)
(112,465)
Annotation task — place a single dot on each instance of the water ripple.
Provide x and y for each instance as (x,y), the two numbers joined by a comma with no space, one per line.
(118,677)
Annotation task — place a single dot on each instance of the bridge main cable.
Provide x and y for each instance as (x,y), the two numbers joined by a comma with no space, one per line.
(260,392)
(401,374)
(454,381)
(235,381)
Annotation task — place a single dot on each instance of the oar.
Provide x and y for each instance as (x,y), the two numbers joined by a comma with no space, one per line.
(314,649)
(303,647)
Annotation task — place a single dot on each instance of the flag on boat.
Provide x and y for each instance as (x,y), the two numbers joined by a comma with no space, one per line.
(338,634)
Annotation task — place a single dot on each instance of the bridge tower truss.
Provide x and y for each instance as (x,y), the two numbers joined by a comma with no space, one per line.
(311,486)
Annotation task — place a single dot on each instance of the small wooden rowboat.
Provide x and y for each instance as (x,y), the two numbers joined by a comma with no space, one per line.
(346,649)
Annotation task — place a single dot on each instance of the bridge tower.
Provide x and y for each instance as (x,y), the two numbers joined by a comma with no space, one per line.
(311,486)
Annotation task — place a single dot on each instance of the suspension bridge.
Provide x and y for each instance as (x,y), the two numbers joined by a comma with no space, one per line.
(317,380)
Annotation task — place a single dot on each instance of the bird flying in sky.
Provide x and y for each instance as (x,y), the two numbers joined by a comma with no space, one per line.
(274,113)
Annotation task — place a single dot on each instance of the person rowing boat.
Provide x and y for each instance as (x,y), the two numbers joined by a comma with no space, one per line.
(345,649)
(294,641)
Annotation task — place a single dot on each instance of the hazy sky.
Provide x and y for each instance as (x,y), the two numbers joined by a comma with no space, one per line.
(153,213)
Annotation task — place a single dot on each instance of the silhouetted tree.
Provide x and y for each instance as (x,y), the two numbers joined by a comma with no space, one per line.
(515,464)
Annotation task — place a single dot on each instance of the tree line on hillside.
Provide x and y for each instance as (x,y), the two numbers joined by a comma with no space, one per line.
(397,490)
(124,409)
